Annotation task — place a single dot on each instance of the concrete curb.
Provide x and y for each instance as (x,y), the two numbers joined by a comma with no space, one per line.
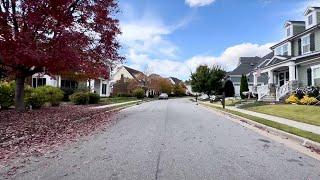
(314,146)
(116,104)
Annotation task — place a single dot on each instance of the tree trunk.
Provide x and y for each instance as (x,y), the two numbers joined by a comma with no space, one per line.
(19,94)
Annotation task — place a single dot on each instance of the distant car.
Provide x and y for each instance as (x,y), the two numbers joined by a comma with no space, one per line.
(203,97)
(163,96)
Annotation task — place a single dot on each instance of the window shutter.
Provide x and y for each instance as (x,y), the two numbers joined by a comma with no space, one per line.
(299,47)
(309,75)
(312,42)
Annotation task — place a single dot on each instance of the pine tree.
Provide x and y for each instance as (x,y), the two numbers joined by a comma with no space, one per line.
(244,87)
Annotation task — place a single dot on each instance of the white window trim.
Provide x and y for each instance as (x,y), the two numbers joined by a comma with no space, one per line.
(310,15)
(308,35)
(288,30)
(281,48)
(287,49)
(312,73)
(314,19)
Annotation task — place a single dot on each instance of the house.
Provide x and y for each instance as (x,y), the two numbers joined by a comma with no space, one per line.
(139,77)
(128,73)
(99,86)
(175,81)
(245,67)
(295,61)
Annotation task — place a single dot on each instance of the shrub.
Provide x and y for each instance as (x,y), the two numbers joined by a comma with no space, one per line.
(311,91)
(123,95)
(306,100)
(292,99)
(54,95)
(299,93)
(67,92)
(35,97)
(80,98)
(93,98)
(6,94)
(139,93)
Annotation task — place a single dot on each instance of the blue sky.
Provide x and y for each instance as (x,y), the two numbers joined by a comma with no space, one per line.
(173,37)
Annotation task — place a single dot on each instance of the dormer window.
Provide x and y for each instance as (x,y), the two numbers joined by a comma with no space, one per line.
(288,32)
(310,20)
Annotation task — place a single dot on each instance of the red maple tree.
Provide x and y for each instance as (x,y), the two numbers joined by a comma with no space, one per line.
(57,36)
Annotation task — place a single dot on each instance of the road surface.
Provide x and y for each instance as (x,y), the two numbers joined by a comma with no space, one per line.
(174,139)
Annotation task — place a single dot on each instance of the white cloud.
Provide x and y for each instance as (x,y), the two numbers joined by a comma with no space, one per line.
(181,69)
(147,36)
(199,3)
(146,45)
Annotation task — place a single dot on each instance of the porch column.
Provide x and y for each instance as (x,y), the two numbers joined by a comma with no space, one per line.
(270,76)
(255,79)
(292,72)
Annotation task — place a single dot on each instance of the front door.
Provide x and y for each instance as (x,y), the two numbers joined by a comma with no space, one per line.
(281,78)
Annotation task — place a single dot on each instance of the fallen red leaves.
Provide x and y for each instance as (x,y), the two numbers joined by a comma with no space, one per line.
(34,132)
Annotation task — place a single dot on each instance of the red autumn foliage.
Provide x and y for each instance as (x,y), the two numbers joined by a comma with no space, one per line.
(35,132)
(58,36)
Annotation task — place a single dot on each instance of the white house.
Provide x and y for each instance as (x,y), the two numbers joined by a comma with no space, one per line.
(100,86)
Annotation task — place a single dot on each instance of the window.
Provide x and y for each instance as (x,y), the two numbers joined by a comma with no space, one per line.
(285,50)
(305,44)
(104,89)
(36,82)
(316,73)
(69,84)
(278,51)
(288,31)
(310,20)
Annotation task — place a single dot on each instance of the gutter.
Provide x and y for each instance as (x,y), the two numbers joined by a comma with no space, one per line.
(295,36)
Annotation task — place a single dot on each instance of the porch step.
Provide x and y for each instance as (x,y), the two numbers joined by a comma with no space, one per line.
(268,98)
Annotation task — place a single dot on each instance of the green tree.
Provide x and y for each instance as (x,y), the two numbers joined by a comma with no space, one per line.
(178,90)
(208,80)
(229,89)
(243,86)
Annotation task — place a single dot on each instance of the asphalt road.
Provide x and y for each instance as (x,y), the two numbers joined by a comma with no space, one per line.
(174,139)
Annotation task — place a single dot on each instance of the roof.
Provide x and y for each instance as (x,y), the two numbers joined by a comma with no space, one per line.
(311,9)
(246,65)
(264,59)
(133,72)
(300,23)
(176,80)
(312,56)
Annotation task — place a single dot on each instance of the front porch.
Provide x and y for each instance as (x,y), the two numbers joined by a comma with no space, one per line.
(282,80)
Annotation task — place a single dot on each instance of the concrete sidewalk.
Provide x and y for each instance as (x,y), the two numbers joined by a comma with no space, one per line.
(292,123)
(116,104)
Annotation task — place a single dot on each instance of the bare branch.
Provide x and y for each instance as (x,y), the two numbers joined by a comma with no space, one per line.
(14,18)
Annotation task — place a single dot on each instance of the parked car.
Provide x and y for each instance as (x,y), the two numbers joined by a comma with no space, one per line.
(203,97)
(163,96)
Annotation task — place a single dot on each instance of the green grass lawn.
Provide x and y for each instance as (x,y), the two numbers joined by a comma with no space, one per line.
(301,113)
(283,127)
(113,100)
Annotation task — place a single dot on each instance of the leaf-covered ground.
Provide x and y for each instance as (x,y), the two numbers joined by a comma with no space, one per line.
(35,132)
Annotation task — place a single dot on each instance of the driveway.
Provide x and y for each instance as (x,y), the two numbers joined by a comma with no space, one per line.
(173,139)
